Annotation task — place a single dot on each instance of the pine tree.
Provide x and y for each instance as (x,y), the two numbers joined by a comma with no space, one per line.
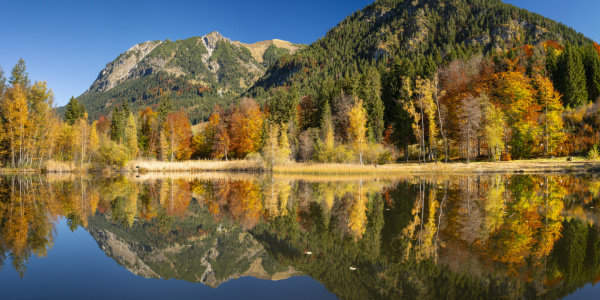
(573,84)
(591,62)
(19,75)
(74,111)
(370,92)
(117,126)
(2,83)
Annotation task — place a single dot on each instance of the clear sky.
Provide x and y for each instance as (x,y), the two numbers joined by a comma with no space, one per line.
(67,43)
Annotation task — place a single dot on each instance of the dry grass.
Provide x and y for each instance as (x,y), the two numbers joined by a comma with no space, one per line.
(194,166)
(188,176)
(522,166)
(53,166)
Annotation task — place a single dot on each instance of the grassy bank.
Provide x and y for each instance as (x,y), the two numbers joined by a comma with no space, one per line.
(521,166)
(558,165)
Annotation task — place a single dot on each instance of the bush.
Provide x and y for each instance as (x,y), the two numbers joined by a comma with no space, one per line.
(113,154)
(593,153)
(505,156)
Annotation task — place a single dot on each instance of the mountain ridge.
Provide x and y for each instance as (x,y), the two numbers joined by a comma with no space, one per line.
(199,72)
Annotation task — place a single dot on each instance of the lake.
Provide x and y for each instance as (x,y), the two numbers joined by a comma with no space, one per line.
(257,236)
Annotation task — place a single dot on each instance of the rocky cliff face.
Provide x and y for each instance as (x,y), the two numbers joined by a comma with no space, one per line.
(216,53)
(123,67)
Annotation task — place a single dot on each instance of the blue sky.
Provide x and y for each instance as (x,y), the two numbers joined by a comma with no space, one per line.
(67,43)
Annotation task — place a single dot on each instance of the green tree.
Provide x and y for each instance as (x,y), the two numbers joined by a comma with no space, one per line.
(370,92)
(573,85)
(19,75)
(74,111)
(283,106)
(591,62)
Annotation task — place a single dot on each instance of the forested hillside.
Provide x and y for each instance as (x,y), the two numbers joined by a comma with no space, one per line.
(424,34)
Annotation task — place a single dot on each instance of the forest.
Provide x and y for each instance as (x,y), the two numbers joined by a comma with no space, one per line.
(531,101)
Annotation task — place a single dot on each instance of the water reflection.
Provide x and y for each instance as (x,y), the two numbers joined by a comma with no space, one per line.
(493,236)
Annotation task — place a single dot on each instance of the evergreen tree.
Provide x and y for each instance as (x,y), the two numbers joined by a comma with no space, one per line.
(2,82)
(573,85)
(75,111)
(19,74)
(283,106)
(164,108)
(117,126)
(370,92)
(591,62)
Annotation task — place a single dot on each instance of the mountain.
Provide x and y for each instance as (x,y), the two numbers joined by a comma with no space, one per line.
(427,33)
(199,71)
(207,256)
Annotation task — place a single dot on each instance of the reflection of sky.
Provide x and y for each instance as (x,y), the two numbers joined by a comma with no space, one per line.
(588,292)
(76,268)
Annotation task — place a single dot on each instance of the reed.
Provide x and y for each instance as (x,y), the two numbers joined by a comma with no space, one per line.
(522,166)
(53,166)
(193,166)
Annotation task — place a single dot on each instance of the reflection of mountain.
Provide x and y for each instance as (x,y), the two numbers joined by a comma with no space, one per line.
(215,254)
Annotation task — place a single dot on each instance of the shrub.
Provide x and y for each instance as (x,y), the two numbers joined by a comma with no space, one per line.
(505,156)
(113,154)
(593,153)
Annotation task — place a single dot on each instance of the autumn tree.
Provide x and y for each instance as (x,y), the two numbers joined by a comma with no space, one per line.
(552,110)
(177,133)
(470,112)
(357,128)
(131,135)
(244,128)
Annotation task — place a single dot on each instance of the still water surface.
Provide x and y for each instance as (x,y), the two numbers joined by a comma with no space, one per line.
(231,236)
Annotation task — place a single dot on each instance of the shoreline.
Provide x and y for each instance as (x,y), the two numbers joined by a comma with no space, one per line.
(557,165)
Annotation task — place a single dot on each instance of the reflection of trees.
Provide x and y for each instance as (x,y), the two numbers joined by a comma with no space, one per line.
(454,237)
(27,218)
(238,200)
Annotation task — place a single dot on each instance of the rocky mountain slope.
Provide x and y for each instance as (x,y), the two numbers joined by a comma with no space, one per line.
(210,67)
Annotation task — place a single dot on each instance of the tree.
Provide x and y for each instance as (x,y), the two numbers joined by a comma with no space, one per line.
(19,75)
(357,128)
(131,135)
(177,133)
(283,106)
(244,128)
(15,117)
(165,106)
(573,85)
(2,83)
(74,111)
(118,122)
(471,117)
(552,110)
(370,92)
(221,141)
(494,128)
(591,63)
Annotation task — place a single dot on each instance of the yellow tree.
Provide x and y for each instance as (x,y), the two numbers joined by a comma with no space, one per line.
(94,142)
(552,110)
(16,122)
(131,140)
(494,128)
(357,119)
(42,120)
